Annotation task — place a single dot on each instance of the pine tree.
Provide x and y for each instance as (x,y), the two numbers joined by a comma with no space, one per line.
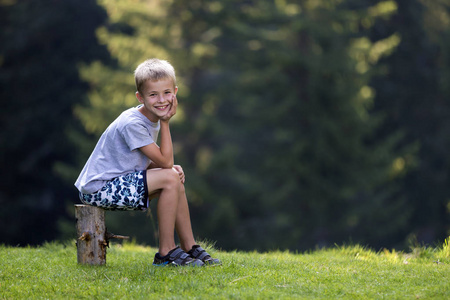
(413,93)
(41,46)
(284,90)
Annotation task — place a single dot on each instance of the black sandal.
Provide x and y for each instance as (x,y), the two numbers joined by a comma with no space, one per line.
(199,253)
(176,257)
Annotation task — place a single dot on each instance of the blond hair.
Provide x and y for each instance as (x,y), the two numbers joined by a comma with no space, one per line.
(154,69)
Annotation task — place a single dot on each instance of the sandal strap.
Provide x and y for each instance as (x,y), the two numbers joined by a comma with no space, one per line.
(179,256)
(199,253)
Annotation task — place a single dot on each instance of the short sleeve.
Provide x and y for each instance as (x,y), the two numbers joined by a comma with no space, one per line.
(136,135)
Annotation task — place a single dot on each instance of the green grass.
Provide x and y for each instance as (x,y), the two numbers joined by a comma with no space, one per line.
(349,272)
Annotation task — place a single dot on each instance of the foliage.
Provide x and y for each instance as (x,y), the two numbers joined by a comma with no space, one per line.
(285,127)
(41,45)
(301,124)
(412,95)
(324,134)
(349,272)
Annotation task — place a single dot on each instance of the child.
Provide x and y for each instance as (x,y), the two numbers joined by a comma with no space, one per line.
(127,167)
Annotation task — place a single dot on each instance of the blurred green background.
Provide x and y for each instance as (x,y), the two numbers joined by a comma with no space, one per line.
(302,124)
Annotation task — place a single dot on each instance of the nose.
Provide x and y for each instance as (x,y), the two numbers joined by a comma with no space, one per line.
(161,98)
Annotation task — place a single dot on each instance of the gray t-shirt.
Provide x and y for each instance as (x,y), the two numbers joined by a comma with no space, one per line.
(117,151)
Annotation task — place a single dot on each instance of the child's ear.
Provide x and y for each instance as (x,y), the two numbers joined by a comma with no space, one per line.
(139,97)
(176,90)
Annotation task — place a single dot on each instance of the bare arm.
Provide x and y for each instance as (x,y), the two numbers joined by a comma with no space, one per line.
(152,165)
(162,157)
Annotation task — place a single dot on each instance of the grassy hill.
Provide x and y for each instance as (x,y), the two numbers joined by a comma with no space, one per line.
(350,272)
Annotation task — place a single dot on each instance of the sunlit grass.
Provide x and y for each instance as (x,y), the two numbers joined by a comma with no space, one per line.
(350,272)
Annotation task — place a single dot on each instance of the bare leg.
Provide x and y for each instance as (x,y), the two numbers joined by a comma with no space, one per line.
(166,211)
(183,222)
(169,183)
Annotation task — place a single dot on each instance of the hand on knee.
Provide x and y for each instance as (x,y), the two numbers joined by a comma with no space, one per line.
(172,179)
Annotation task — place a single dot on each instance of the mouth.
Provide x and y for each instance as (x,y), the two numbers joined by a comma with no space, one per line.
(162,107)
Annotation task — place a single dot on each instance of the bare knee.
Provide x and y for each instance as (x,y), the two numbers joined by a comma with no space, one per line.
(163,179)
(175,182)
(172,179)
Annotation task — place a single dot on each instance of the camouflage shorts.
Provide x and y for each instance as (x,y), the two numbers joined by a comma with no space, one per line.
(127,192)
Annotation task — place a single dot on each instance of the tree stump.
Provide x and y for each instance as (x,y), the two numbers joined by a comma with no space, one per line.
(93,237)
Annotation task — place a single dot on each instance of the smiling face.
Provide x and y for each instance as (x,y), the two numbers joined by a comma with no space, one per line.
(157,97)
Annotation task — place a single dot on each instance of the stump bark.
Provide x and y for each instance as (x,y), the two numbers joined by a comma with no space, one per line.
(93,237)
(91,232)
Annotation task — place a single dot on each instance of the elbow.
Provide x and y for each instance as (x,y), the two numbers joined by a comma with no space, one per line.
(167,165)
